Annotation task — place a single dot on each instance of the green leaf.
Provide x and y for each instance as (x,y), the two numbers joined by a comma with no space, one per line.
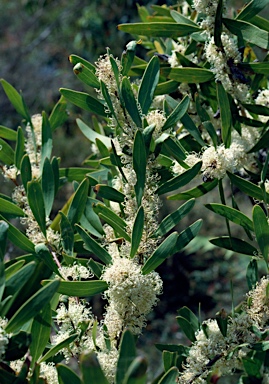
(17,280)
(91,369)
(74,59)
(188,75)
(234,244)
(16,99)
(164,250)
(178,112)
(79,288)
(18,238)
(130,101)
(84,101)
(78,202)
(19,151)
(86,75)
(258,68)
(32,307)
(186,327)
(148,84)
(10,208)
(55,349)
(263,142)
(67,375)
(59,114)
(247,187)
(93,246)
(13,268)
(3,241)
(138,228)
(67,235)
(231,214)
(109,193)
(48,187)
(127,353)
(187,314)
(169,360)
(44,254)
(166,87)
(40,332)
(159,29)
(222,320)
(8,133)
(179,18)
(218,24)
(225,114)
(17,346)
(96,267)
(198,191)
(36,203)
(92,135)
(136,373)
(248,32)
(179,181)
(108,100)
(252,274)
(193,130)
(251,9)
(170,377)
(173,219)
(6,153)
(26,171)
(186,236)
(46,140)
(127,57)
(174,148)
(261,229)
(139,165)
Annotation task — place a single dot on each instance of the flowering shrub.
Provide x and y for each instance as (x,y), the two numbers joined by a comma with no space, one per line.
(196,112)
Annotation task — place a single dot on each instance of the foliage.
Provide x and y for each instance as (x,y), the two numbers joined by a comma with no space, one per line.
(195,112)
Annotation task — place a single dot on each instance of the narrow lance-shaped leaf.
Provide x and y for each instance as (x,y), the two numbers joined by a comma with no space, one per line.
(190,75)
(46,140)
(165,249)
(137,231)
(127,57)
(84,101)
(139,165)
(8,207)
(56,348)
(19,151)
(78,202)
(136,373)
(86,75)
(248,32)
(181,180)
(48,187)
(80,288)
(91,369)
(59,114)
(67,235)
(6,153)
(234,244)
(251,9)
(247,187)
(16,99)
(177,113)
(93,246)
(198,191)
(3,241)
(92,135)
(159,29)
(130,101)
(26,171)
(127,352)
(18,238)
(40,331)
(43,254)
(32,307)
(148,84)
(8,133)
(173,219)
(231,214)
(225,114)
(170,376)
(261,229)
(36,202)
(67,375)
(187,235)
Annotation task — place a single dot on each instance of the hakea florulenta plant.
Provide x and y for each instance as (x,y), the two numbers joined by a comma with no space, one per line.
(196,112)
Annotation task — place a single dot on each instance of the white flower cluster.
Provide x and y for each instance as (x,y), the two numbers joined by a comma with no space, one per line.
(131,296)
(3,338)
(263,99)
(212,352)
(75,272)
(220,61)
(70,319)
(217,161)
